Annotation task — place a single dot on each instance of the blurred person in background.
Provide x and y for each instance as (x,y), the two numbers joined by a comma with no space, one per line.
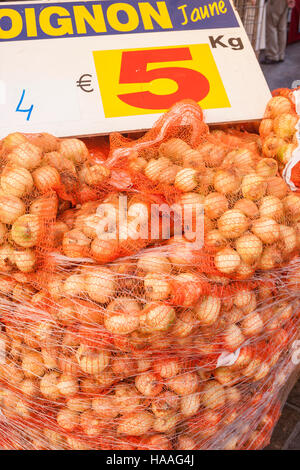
(276,30)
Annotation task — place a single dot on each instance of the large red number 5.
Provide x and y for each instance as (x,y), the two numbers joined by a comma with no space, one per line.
(191,84)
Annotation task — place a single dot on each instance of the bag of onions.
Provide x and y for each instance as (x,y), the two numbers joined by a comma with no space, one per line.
(162,307)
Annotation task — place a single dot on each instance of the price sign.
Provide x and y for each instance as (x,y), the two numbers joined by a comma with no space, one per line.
(92,67)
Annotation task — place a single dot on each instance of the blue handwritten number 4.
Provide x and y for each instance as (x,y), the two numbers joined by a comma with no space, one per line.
(28,111)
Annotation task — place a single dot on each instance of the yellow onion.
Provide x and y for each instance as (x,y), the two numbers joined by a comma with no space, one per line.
(155,167)
(159,317)
(154,263)
(276,187)
(7,258)
(74,150)
(33,364)
(215,204)
(288,237)
(135,424)
(174,149)
(233,337)
(11,207)
(224,376)
(67,419)
(285,153)
(271,207)
(100,284)
(79,404)
(247,207)
(207,310)
(266,229)
(227,260)
(168,175)
(183,384)
(147,383)
(67,385)
(226,182)
(74,285)
(186,179)
(267,167)
(278,105)
(253,186)
(292,206)
(213,395)
(25,260)
(272,145)
(271,258)
(26,156)
(157,286)
(212,154)
(215,239)
(16,181)
(92,362)
(105,407)
(166,424)
(96,174)
(266,127)
(75,244)
(26,230)
(185,443)
(285,125)
(45,207)
(252,324)
(46,178)
(249,248)
(13,140)
(232,224)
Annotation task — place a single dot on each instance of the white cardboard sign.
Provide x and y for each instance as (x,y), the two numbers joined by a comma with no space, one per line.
(93,67)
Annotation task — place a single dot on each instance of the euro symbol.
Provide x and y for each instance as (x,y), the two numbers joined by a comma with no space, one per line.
(85,83)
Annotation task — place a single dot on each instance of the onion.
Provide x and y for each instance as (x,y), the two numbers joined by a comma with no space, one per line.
(272,145)
(135,424)
(183,384)
(29,387)
(215,204)
(167,368)
(193,159)
(184,325)
(96,174)
(243,298)
(25,260)
(206,181)
(74,285)
(3,233)
(66,312)
(32,364)
(244,160)
(232,224)
(46,178)
(88,313)
(233,337)
(7,258)
(62,164)
(74,150)
(75,244)
(154,263)
(277,187)
(92,362)
(48,386)
(157,286)
(266,127)
(155,167)
(212,154)
(158,441)
(285,125)
(13,140)
(292,206)
(137,164)
(100,285)
(174,149)
(271,207)
(223,375)
(288,236)
(26,156)
(11,207)
(148,384)
(278,105)
(67,385)
(243,359)
(266,229)
(271,258)
(122,323)
(226,182)
(186,179)
(185,443)
(244,271)
(247,207)
(67,419)
(285,153)
(267,167)
(16,181)
(160,317)
(26,230)
(167,424)
(45,207)
(207,310)
(249,248)
(227,260)
(104,251)
(104,407)
(213,395)
(165,404)
(252,368)
(253,186)
(168,175)
(79,404)
(215,239)
(252,324)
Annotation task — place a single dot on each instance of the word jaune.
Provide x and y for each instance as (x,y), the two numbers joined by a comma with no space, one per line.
(202,13)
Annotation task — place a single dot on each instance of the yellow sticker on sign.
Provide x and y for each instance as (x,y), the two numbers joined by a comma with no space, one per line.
(150,80)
